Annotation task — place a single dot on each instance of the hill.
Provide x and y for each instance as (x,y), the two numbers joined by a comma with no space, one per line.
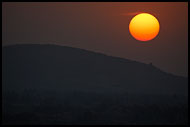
(43,81)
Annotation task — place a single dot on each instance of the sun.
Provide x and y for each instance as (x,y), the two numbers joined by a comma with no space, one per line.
(144,27)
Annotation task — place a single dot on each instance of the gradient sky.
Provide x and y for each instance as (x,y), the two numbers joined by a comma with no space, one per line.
(102,27)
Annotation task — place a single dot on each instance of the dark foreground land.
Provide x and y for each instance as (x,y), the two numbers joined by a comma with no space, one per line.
(48,84)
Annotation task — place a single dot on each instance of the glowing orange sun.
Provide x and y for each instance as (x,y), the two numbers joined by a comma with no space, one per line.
(144,27)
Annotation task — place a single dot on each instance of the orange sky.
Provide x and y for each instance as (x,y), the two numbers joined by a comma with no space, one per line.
(102,27)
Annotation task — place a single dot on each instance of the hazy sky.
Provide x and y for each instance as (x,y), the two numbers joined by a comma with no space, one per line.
(102,27)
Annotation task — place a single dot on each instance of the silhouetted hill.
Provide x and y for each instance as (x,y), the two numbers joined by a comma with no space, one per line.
(59,75)
(46,65)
